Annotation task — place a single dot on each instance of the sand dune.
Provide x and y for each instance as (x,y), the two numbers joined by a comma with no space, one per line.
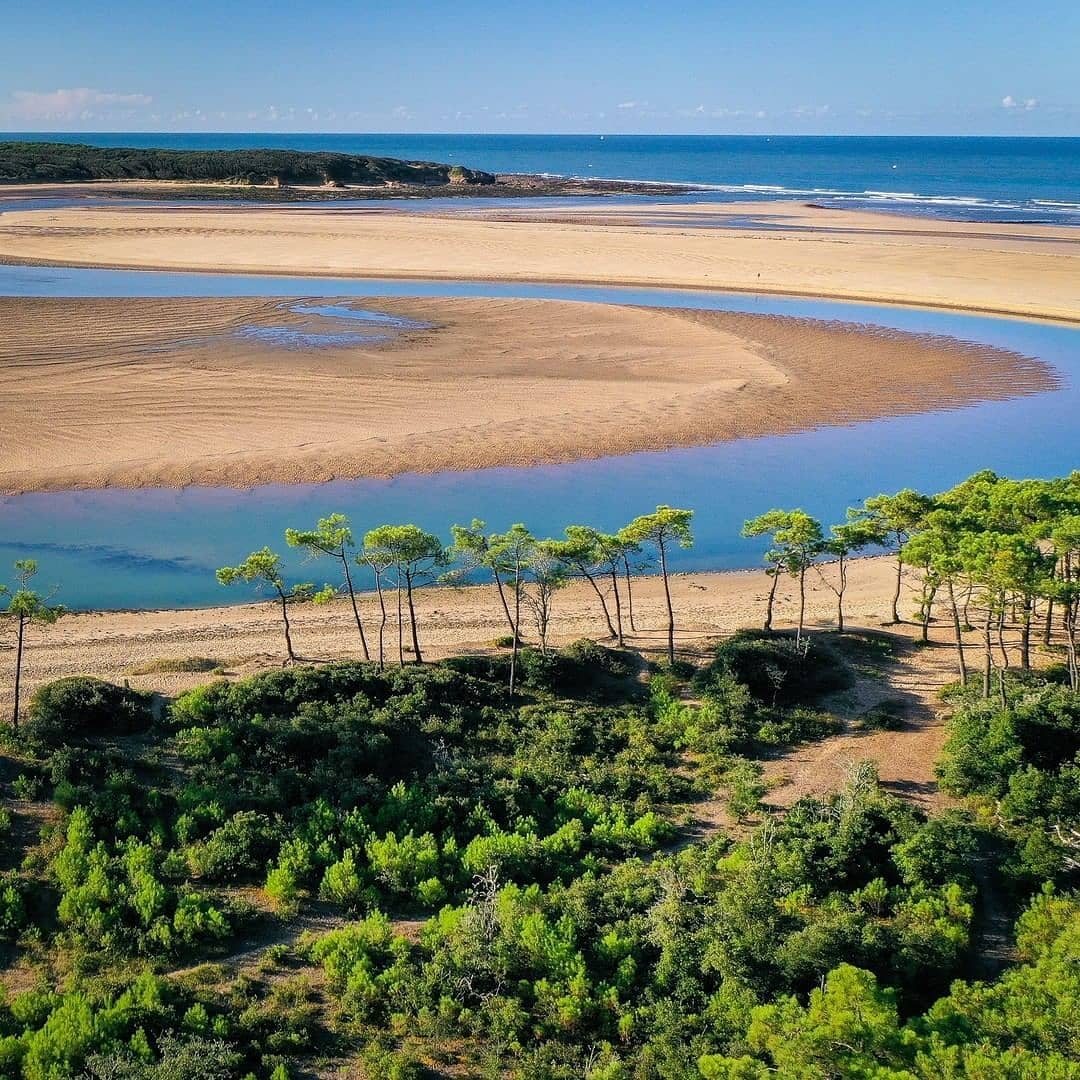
(780,247)
(140,392)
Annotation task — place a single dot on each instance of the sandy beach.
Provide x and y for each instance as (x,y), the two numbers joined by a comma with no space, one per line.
(786,248)
(146,392)
(453,620)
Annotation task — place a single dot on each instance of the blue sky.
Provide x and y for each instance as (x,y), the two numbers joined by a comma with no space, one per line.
(590,65)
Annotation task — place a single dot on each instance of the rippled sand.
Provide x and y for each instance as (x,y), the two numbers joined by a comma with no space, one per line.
(152,392)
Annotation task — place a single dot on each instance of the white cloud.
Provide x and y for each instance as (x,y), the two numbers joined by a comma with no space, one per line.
(627,105)
(81,102)
(1027,105)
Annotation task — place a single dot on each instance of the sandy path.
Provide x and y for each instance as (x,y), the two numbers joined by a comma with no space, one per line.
(1025,270)
(175,392)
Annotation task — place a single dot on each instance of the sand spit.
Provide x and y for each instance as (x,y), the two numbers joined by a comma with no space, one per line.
(788,248)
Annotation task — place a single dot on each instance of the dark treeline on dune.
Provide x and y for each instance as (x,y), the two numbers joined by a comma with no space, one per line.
(45,162)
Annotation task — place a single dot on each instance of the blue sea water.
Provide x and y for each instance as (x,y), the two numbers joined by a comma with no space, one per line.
(975,179)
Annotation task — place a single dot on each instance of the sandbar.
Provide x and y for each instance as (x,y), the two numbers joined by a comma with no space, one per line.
(172,392)
(785,248)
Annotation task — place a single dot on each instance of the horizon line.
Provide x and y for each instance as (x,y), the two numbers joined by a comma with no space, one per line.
(562,134)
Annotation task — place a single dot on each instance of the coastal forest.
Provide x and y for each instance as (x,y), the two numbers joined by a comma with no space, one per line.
(554,862)
(52,162)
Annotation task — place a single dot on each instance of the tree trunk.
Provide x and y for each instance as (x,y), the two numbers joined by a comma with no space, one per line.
(1025,634)
(929,595)
(382,624)
(840,596)
(896,591)
(802,606)
(618,604)
(505,605)
(772,599)
(355,607)
(285,620)
(603,603)
(1071,610)
(629,595)
(517,623)
(18,673)
(959,635)
(417,657)
(400,626)
(987,653)
(670,611)
(1048,625)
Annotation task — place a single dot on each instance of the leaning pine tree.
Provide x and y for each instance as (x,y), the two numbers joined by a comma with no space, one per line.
(263,570)
(665,528)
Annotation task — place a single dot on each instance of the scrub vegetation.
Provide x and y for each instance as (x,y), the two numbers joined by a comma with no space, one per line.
(488,867)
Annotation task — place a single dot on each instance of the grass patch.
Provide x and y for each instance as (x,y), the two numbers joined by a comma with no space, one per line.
(180,664)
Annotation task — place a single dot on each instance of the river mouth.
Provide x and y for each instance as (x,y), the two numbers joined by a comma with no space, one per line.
(155,548)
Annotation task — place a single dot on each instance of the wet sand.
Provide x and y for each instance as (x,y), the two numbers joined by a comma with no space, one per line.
(150,392)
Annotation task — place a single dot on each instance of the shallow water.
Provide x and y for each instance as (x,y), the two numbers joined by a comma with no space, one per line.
(159,548)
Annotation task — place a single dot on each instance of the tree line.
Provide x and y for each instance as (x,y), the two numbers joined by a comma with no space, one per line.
(526,572)
(45,162)
(999,556)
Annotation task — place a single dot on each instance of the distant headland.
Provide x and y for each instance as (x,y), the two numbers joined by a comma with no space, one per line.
(274,173)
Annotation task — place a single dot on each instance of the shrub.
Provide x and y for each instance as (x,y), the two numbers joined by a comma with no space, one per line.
(234,851)
(745,789)
(344,883)
(178,664)
(887,715)
(777,671)
(81,707)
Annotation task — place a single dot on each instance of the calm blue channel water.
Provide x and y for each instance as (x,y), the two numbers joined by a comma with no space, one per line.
(159,548)
(976,179)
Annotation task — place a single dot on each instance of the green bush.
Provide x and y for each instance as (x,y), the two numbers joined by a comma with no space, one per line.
(778,671)
(80,707)
(236,850)
(887,715)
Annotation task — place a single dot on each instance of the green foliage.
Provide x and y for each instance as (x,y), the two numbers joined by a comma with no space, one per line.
(777,670)
(80,707)
(41,162)
(235,850)
(572,930)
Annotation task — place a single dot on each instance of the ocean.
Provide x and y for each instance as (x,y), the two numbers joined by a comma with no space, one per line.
(1030,180)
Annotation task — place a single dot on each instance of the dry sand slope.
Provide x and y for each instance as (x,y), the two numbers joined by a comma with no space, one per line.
(141,392)
(780,247)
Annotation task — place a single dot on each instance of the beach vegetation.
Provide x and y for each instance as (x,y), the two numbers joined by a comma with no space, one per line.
(263,570)
(24,607)
(415,557)
(663,530)
(332,538)
(50,162)
(566,862)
